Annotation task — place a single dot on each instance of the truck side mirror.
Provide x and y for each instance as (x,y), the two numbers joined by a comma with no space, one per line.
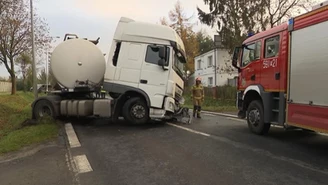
(235,58)
(162,53)
(162,63)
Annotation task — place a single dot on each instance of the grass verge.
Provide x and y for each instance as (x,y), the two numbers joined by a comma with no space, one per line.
(214,105)
(14,110)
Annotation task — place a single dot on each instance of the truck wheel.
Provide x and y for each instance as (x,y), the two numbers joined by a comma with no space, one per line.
(255,118)
(136,111)
(43,108)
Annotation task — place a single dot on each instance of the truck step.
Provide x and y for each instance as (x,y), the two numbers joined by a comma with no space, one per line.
(275,110)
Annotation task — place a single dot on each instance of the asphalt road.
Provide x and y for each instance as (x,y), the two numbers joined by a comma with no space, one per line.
(213,150)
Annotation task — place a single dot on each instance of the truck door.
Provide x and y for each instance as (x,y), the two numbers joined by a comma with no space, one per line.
(153,78)
(128,67)
(250,64)
(270,76)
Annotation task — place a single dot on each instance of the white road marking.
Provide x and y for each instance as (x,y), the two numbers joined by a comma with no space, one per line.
(236,119)
(72,138)
(209,115)
(260,151)
(82,164)
(220,114)
(190,130)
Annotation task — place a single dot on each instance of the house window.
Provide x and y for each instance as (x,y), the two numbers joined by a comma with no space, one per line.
(210,81)
(199,62)
(271,47)
(210,61)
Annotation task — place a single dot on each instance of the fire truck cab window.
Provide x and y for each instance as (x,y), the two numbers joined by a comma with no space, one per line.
(251,53)
(272,47)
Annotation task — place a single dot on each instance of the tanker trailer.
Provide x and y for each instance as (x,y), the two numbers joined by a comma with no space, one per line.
(143,76)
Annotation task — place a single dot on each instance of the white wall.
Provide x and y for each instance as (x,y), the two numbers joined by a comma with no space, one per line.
(5,86)
(223,61)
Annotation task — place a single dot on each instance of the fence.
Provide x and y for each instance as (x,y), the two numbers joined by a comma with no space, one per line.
(226,92)
(232,82)
(5,86)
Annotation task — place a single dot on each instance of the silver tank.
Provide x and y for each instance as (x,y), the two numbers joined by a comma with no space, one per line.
(77,59)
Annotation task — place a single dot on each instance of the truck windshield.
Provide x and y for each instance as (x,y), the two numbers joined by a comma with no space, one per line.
(178,65)
(251,53)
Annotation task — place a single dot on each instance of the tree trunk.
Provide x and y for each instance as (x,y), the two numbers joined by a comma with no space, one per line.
(13,84)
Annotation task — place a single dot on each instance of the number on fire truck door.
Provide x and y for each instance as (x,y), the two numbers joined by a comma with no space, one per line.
(270,76)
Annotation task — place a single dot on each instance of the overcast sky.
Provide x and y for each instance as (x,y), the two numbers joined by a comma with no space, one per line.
(98,18)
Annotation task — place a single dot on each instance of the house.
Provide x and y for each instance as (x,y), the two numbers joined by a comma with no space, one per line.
(206,63)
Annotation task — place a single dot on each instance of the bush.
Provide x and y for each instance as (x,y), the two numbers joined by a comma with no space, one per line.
(224,93)
(225,100)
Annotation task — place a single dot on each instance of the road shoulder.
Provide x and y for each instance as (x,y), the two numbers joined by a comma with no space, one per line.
(46,163)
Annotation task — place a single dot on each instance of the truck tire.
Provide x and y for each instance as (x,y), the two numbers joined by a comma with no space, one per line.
(43,108)
(136,111)
(255,118)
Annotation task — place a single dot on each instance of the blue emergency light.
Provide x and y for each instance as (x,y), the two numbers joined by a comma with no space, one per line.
(291,24)
(251,33)
(291,21)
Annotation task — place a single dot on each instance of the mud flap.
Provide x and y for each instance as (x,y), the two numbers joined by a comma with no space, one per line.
(182,116)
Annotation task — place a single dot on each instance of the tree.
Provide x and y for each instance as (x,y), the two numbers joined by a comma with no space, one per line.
(205,42)
(15,34)
(42,78)
(236,18)
(183,25)
(24,62)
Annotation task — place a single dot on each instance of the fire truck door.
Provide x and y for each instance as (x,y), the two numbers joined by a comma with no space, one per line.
(270,76)
(251,71)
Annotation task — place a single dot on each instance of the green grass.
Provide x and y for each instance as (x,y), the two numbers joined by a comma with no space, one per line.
(14,110)
(225,102)
(26,136)
(214,105)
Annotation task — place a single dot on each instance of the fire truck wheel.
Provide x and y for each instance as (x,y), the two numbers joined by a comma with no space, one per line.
(135,111)
(255,119)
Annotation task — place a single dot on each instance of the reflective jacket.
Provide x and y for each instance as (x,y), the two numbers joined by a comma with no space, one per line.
(197,92)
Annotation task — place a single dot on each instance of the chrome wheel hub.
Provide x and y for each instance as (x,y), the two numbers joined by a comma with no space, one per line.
(138,111)
(254,117)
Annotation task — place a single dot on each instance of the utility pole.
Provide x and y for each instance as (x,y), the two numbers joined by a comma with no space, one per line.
(217,44)
(215,67)
(47,70)
(33,53)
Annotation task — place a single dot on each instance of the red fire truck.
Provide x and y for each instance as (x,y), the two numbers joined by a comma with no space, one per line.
(283,74)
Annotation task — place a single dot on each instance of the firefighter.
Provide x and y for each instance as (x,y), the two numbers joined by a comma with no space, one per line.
(197,96)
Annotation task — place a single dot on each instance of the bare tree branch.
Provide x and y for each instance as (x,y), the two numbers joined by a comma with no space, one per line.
(15,34)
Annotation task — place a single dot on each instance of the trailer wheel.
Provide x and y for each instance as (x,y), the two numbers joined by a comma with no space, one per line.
(255,118)
(136,111)
(43,108)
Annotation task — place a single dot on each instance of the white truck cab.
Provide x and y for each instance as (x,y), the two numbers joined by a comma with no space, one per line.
(135,65)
